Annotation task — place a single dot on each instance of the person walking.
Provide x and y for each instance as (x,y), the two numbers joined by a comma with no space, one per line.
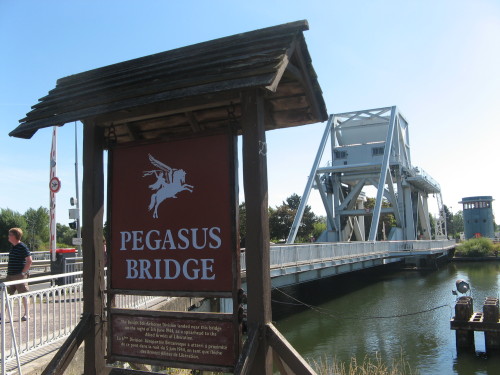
(18,266)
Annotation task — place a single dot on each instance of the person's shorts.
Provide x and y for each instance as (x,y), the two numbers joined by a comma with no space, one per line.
(21,288)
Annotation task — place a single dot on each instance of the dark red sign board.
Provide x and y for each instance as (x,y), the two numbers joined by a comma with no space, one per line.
(160,339)
(172,216)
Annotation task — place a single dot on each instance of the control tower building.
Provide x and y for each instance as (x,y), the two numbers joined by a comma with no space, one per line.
(478,217)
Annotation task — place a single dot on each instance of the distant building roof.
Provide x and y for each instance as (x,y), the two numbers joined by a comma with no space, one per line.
(485,198)
(190,89)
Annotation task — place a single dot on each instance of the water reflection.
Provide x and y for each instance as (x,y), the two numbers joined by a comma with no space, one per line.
(369,312)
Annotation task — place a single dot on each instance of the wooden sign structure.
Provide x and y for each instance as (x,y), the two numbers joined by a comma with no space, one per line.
(173,233)
(242,84)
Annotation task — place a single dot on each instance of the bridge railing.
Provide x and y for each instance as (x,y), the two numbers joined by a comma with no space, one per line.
(284,255)
(54,311)
(35,255)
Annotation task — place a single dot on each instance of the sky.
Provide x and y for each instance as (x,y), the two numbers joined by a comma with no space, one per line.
(438,61)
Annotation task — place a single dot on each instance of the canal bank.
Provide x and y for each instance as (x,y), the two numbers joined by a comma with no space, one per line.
(389,312)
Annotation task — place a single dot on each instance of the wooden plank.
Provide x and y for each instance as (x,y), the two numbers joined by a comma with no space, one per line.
(173,293)
(247,353)
(67,351)
(205,102)
(195,125)
(238,293)
(474,326)
(286,351)
(174,314)
(29,128)
(285,60)
(145,85)
(245,41)
(93,256)
(311,85)
(175,364)
(206,66)
(121,371)
(282,366)
(257,241)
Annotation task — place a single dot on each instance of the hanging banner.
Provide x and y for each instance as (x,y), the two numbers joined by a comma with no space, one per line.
(172,216)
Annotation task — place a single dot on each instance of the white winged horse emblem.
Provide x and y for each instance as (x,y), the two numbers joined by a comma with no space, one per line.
(169,182)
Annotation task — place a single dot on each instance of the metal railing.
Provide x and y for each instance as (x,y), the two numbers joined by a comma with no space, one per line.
(54,311)
(283,255)
(38,266)
(35,255)
(73,264)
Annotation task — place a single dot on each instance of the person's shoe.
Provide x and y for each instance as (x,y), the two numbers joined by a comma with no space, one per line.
(24,318)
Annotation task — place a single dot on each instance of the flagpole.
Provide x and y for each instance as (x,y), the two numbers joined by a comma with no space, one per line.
(54,188)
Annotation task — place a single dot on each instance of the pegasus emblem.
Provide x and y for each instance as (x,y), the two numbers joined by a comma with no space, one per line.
(169,182)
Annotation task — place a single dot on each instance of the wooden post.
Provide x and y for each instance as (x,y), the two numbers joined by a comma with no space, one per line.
(257,240)
(93,248)
(491,315)
(463,312)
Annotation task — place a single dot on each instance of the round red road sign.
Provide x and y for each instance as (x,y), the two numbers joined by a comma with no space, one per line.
(55,184)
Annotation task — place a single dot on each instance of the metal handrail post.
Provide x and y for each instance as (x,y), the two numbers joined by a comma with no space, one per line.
(16,349)
(2,291)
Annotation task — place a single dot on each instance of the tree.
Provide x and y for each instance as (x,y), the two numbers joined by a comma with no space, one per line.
(65,235)
(449,220)
(37,227)
(319,227)
(281,220)
(9,219)
(386,220)
(454,222)
(458,222)
(432,222)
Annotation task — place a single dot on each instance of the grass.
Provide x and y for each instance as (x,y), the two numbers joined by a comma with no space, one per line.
(370,366)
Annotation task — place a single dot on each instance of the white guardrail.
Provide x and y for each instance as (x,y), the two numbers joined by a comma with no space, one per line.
(35,255)
(54,311)
(286,255)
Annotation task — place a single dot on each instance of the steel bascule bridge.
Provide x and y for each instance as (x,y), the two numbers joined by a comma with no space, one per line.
(370,150)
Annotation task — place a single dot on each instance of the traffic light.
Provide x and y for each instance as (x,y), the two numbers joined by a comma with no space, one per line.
(72,224)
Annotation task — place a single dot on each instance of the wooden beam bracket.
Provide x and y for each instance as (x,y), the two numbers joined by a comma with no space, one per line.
(67,351)
(293,363)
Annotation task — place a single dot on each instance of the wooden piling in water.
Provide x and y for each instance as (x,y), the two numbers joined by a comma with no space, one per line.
(466,322)
(464,337)
(491,315)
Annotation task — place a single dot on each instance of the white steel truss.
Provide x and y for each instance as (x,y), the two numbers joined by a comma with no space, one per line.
(370,148)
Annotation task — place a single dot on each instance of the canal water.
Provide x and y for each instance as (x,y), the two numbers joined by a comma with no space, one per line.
(389,313)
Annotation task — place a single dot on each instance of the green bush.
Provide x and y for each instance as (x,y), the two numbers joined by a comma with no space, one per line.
(476,247)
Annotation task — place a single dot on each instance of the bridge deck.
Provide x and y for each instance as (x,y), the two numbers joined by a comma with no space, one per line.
(297,263)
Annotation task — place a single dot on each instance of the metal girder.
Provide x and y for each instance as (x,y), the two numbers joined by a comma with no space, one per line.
(310,180)
(324,198)
(353,195)
(383,175)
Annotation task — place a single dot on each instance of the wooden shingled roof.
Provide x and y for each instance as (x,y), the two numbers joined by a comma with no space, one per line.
(190,89)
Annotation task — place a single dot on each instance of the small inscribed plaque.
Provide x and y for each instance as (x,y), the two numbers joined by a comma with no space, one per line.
(159,338)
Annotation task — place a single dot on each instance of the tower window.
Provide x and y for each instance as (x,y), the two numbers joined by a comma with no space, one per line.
(377,151)
(340,154)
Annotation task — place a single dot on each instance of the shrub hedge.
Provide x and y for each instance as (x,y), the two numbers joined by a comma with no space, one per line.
(477,247)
